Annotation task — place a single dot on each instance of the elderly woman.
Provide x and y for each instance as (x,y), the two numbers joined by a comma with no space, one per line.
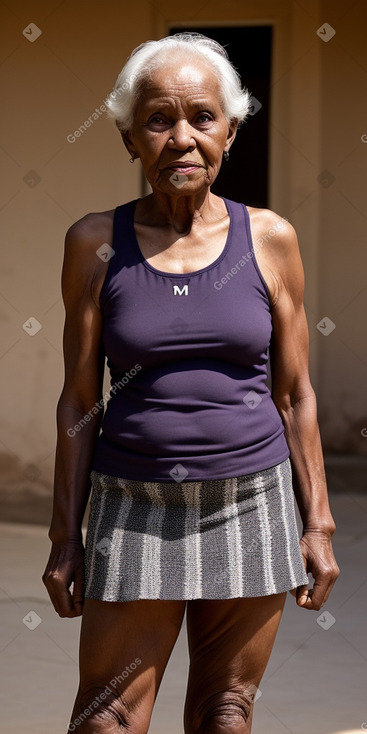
(195,471)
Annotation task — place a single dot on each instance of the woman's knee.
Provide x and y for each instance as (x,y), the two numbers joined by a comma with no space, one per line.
(224,713)
(103,710)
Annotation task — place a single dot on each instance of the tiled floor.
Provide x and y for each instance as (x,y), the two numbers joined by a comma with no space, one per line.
(315,681)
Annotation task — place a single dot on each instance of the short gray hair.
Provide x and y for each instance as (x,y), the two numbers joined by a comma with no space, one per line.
(121,102)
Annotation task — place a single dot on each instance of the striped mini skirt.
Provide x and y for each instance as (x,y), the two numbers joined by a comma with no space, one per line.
(211,539)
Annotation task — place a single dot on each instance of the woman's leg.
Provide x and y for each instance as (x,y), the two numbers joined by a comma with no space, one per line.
(230,642)
(124,650)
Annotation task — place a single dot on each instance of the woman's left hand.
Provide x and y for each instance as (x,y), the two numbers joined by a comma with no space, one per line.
(320,561)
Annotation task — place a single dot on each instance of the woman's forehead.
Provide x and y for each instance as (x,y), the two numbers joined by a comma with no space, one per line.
(181,70)
(186,80)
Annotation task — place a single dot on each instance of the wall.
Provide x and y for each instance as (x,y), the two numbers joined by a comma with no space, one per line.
(52,85)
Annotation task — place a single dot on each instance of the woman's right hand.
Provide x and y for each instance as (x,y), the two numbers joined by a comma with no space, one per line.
(65,567)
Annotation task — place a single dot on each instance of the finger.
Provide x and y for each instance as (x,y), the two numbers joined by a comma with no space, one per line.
(63,606)
(78,592)
(328,592)
(52,595)
(64,600)
(302,595)
(320,593)
(67,605)
(316,596)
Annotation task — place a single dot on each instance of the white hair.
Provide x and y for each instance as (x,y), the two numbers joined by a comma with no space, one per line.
(150,55)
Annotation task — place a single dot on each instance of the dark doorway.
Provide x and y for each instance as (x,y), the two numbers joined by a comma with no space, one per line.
(245,177)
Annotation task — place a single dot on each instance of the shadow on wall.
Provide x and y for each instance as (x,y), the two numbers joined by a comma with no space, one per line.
(25,495)
(350,438)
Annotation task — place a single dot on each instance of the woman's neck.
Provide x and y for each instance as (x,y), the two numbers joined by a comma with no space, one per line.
(180,213)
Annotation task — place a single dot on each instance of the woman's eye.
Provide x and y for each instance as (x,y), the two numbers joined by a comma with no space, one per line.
(157,119)
(204,117)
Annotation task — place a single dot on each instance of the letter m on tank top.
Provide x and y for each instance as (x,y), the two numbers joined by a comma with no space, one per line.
(177,291)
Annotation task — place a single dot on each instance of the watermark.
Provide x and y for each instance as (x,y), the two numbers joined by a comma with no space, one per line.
(325,32)
(94,116)
(105,252)
(326,326)
(32,179)
(178,473)
(256,542)
(103,695)
(32,620)
(178,179)
(326,620)
(218,285)
(31,32)
(101,403)
(326,179)
(252,693)
(364,432)
(31,472)
(250,548)
(252,399)
(179,325)
(254,106)
(32,326)
(104,546)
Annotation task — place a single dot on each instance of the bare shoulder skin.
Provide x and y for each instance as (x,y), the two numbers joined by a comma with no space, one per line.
(88,234)
(265,226)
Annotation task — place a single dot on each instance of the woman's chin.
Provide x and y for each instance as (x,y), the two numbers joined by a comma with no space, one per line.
(181,184)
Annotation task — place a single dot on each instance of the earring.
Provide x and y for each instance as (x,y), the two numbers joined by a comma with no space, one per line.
(226,155)
(131,160)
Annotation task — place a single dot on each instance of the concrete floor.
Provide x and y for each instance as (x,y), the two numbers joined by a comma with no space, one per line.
(315,681)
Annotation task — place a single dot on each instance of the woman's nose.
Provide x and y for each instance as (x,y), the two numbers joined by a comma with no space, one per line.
(181,135)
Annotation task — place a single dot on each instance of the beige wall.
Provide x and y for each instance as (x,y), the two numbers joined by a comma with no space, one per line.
(54,84)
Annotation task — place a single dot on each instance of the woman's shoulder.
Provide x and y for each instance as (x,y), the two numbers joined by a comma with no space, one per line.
(93,228)
(90,229)
(272,229)
(276,247)
(86,256)
(267,220)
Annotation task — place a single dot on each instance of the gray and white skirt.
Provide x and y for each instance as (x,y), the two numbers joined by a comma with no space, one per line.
(212,539)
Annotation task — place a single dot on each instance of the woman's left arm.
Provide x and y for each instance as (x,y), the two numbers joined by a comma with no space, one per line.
(295,401)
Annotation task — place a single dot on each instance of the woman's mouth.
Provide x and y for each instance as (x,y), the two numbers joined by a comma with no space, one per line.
(184,168)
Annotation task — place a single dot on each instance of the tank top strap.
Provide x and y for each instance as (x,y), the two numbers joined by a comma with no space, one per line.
(240,227)
(242,246)
(239,231)
(123,234)
(122,251)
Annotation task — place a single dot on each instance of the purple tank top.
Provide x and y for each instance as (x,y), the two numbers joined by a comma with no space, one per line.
(188,359)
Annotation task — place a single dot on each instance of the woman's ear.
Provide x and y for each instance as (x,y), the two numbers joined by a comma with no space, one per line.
(232,132)
(128,144)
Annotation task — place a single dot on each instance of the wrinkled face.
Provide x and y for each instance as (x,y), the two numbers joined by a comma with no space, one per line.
(179,130)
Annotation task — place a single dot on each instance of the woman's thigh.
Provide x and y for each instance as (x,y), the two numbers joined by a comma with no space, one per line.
(230,642)
(124,650)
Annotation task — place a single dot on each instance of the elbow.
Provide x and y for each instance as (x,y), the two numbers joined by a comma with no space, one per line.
(289,402)
(79,411)
(79,401)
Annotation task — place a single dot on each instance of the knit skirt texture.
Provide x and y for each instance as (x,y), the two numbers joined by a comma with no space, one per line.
(212,539)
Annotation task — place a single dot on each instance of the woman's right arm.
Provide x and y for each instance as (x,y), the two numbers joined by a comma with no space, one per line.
(78,424)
